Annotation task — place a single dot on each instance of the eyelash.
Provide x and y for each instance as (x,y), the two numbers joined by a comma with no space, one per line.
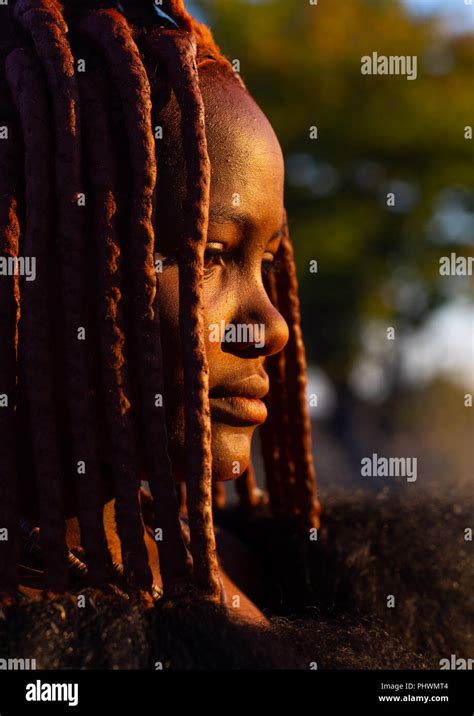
(215,255)
(219,258)
(269,267)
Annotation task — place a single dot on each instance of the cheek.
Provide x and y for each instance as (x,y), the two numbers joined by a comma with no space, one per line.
(214,311)
(211,317)
(219,306)
(168,303)
(230,445)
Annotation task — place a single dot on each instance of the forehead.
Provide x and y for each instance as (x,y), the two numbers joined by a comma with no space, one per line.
(247,167)
(241,141)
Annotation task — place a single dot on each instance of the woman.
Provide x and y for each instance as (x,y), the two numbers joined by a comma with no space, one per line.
(162,326)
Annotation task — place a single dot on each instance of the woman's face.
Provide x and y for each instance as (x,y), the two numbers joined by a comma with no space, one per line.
(246,216)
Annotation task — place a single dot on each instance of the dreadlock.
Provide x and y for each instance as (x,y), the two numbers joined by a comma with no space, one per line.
(103,177)
(277,433)
(305,505)
(44,21)
(9,303)
(78,148)
(247,489)
(28,93)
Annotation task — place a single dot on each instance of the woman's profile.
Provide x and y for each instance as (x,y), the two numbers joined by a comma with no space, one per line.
(151,354)
(162,326)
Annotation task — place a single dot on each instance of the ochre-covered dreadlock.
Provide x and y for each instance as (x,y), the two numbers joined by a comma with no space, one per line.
(9,304)
(247,490)
(78,148)
(101,163)
(305,505)
(178,52)
(110,32)
(44,21)
(28,91)
(275,432)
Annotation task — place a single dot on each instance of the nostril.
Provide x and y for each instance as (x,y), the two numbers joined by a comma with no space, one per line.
(238,334)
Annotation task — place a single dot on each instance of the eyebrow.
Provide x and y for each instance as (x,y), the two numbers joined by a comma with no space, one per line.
(224,215)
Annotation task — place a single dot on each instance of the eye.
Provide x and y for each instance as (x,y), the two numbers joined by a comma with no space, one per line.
(213,256)
(268,262)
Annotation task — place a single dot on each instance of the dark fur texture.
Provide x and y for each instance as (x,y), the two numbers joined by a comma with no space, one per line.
(336,616)
(111,634)
(367,550)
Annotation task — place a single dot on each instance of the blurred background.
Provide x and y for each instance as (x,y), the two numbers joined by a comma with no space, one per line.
(377,266)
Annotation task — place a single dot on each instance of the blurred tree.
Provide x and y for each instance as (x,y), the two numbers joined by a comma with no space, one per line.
(375,135)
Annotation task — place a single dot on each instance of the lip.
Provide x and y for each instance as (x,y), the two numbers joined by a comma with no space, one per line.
(238,410)
(239,403)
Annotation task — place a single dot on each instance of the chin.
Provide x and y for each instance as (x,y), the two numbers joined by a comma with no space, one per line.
(231,450)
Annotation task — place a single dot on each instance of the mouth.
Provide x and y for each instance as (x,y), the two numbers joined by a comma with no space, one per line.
(240,404)
(238,410)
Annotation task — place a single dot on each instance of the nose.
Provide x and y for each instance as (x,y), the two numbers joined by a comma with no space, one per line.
(257,327)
